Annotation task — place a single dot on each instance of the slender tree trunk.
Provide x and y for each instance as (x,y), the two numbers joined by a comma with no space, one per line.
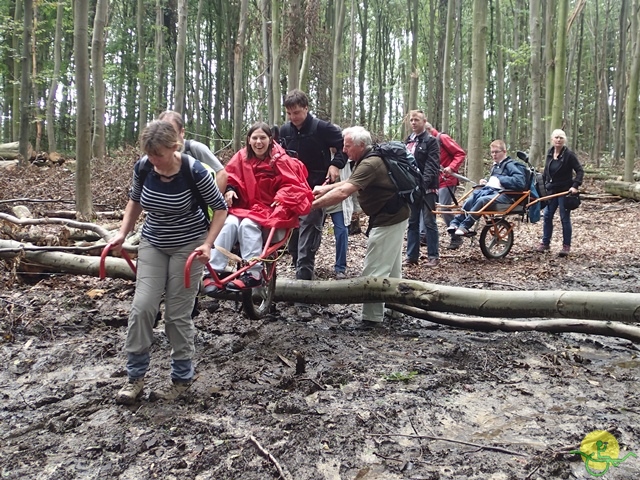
(478,82)
(632,98)
(266,59)
(352,64)
(537,135)
(57,60)
(17,74)
(501,112)
(549,55)
(34,82)
(238,76)
(276,16)
(25,113)
(576,100)
(197,100)
(158,47)
(557,110)
(336,75)
(142,71)
(363,14)
(458,68)
(97,63)
(446,66)
(620,84)
(180,56)
(413,75)
(83,121)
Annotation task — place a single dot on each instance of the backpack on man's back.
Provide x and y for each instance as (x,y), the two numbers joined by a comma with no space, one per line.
(403,170)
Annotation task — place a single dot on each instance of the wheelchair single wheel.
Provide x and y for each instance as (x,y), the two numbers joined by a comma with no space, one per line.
(257,301)
(496,239)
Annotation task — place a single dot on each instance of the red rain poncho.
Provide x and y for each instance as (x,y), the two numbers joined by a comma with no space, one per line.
(259,183)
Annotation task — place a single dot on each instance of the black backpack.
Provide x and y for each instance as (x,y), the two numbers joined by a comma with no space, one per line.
(187,172)
(403,171)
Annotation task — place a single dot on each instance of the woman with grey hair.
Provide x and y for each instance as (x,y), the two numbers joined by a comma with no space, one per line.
(562,171)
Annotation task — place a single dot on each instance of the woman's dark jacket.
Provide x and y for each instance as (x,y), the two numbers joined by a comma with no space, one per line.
(558,174)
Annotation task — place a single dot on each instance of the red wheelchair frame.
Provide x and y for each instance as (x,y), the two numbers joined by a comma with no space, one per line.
(256,301)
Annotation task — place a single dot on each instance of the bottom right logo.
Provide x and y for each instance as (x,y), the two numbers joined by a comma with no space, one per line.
(600,451)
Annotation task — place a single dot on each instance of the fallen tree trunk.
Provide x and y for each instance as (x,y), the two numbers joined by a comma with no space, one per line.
(590,327)
(67,262)
(609,306)
(623,189)
(11,150)
(621,307)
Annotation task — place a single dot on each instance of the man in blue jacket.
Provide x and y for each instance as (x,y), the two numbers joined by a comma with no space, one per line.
(317,144)
(506,174)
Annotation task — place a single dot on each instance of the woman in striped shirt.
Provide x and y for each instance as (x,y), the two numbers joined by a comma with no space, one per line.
(173,228)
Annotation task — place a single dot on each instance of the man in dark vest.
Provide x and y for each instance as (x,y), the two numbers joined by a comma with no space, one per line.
(318,144)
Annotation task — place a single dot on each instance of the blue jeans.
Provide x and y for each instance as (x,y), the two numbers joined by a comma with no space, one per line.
(341,234)
(304,243)
(413,232)
(565,219)
(476,202)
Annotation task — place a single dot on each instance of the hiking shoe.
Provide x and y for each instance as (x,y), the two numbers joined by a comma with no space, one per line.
(341,275)
(455,244)
(542,248)
(433,262)
(130,392)
(244,282)
(565,251)
(209,287)
(170,392)
(410,262)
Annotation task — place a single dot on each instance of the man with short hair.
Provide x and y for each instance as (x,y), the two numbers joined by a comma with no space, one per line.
(426,151)
(452,157)
(318,144)
(505,174)
(376,192)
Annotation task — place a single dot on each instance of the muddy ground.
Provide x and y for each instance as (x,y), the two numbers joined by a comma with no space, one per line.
(413,400)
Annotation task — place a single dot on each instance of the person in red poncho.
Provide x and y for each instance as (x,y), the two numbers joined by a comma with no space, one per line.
(266,188)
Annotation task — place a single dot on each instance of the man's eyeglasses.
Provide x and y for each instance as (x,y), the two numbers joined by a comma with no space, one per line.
(495,152)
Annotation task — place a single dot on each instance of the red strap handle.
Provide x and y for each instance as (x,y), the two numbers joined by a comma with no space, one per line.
(103,256)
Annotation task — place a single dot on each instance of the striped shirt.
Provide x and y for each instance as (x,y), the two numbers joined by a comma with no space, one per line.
(174,218)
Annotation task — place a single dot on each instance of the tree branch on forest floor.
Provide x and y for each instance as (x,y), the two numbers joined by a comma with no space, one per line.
(270,457)
(105,234)
(452,440)
(486,324)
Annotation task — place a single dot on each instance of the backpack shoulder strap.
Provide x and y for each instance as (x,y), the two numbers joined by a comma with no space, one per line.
(187,172)
(187,147)
(143,170)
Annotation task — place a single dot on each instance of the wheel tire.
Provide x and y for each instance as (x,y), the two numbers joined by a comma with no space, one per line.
(496,239)
(257,301)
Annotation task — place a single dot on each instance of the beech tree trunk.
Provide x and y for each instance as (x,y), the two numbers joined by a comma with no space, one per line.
(623,189)
(25,111)
(84,203)
(238,76)
(476,96)
(57,60)
(606,306)
(97,68)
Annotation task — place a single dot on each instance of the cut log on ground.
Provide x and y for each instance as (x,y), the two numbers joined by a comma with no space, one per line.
(623,189)
(590,327)
(603,306)
(11,151)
